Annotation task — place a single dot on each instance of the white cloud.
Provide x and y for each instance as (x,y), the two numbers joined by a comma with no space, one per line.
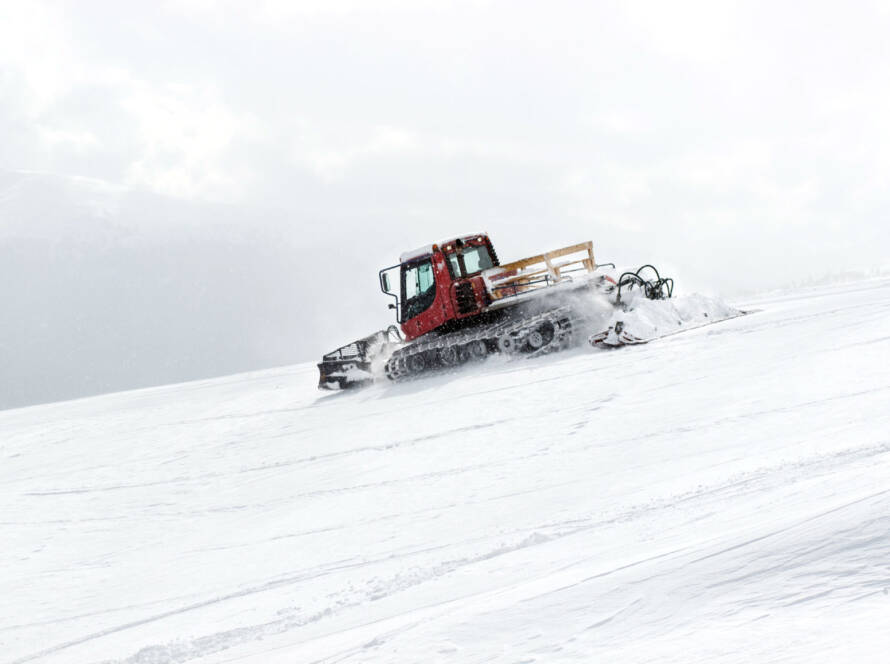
(469,113)
(79,140)
(274,12)
(178,134)
(331,163)
(35,47)
(184,135)
(700,31)
(335,160)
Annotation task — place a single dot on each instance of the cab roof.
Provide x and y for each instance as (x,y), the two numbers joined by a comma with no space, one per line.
(427,250)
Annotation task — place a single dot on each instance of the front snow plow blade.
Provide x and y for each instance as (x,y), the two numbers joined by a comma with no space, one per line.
(354,365)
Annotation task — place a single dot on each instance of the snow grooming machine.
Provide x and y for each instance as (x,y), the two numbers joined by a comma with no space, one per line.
(457,304)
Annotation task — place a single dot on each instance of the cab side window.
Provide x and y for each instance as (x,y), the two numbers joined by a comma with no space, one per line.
(476,259)
(454,266)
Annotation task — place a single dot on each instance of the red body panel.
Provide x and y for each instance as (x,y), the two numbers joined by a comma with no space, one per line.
(447,306)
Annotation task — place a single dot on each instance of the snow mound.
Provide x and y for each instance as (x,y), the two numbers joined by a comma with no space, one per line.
(643,320)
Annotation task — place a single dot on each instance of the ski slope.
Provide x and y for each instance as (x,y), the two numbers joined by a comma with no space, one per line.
(721,495)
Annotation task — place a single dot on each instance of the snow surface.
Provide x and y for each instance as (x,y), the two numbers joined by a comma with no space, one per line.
(720,495)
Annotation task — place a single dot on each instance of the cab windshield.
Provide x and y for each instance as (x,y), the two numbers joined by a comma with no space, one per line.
(418,288)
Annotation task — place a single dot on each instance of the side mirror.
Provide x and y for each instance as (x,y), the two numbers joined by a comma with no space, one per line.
(386,282)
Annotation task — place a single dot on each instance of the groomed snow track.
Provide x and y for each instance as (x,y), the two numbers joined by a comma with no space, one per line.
(715,496)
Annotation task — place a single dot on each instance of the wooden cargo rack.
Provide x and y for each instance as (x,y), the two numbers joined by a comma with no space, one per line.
(539,271)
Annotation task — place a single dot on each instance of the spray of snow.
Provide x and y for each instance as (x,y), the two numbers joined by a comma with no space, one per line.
(644,320)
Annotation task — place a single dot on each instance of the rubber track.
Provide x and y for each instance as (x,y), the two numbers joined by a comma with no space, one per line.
(564,318)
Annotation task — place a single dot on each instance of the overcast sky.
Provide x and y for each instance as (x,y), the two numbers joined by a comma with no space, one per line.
(727,126)
(742,145)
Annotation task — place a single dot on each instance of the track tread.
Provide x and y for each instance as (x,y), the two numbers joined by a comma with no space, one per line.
(563,317)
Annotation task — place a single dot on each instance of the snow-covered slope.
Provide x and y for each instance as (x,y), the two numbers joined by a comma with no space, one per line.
(719,495)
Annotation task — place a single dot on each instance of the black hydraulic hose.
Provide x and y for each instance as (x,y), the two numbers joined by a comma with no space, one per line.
(658,288)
